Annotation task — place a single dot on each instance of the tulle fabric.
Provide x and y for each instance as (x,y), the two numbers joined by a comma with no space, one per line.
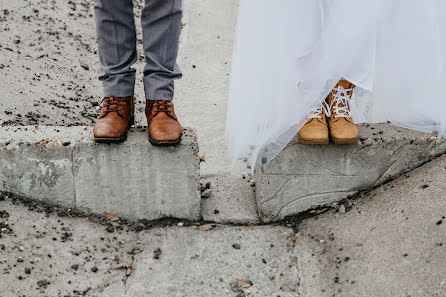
(289,54)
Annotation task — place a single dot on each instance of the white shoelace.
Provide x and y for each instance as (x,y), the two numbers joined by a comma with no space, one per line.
(316,112)
(341,98)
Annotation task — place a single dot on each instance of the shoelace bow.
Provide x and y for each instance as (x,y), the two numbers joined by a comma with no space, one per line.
(162,106)
(315,113)
(341,102)
(114,104)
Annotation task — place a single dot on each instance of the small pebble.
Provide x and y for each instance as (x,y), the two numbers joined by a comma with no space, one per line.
(157,252)
(206,194)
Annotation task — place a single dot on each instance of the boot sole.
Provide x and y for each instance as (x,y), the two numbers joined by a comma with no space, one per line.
(110,140)
(116,139)
(165,142)
(344,141)
(314,142)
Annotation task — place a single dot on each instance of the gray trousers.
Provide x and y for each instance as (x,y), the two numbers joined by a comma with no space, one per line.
(161,25)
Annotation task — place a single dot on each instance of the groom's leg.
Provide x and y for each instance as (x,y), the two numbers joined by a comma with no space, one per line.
(161,24)
(116,33)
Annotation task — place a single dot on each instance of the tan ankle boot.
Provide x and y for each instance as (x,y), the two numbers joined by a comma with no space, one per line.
(315,130)
(341,126)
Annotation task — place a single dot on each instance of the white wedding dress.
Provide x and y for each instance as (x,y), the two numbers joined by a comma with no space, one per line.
(289,54)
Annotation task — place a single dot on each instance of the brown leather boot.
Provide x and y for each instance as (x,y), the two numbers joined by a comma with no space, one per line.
(315,130)
(164,127)
(116,117)
(341,126)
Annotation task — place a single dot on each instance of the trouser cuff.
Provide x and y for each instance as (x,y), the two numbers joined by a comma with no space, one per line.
(122,85)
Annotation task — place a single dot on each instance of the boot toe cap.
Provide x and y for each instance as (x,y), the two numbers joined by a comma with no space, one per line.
(344,132)
(313,133)
(170,132)
(104,130)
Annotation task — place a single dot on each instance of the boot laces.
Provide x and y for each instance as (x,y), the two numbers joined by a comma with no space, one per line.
(340,105)
(113,104)
(316,113)
(162,106)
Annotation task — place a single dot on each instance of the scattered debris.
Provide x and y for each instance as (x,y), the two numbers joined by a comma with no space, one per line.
(85,66)
(157,253)
(43,283)
(206,227)
(241,286)
(205,186)
(118,266)
(206,194)
(112,217)
(319,211)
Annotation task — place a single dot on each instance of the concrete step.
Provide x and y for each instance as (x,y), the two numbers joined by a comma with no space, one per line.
(303,177)
(63,166)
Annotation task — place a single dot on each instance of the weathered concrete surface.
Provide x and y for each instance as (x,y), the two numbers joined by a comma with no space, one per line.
(64,251)
(63,166)
(205,263)
(232,200)
(391,243)
(303,177)
(68,256)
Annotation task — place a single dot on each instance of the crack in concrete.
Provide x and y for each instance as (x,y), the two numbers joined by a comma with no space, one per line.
(74,180)
(125,280)
(309,174)
(312,195)
(362,148)
(256,204)
(299,273)
(278,191)
(377,182)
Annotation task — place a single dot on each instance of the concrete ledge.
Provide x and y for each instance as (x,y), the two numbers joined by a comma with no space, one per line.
(302,177)
(63,166)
